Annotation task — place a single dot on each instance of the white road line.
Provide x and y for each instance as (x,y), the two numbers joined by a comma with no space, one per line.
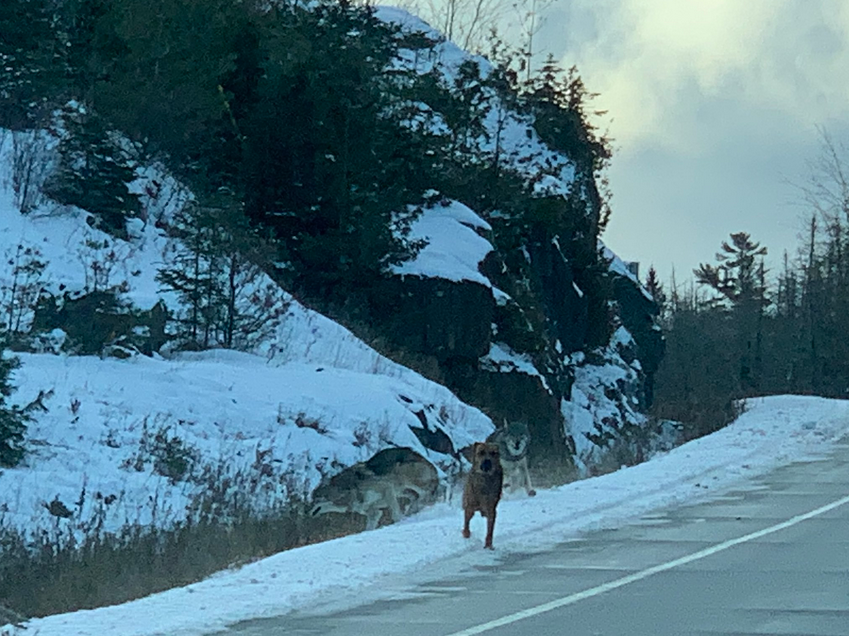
(644,574)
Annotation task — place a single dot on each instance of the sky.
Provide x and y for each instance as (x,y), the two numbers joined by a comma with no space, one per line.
(715,108)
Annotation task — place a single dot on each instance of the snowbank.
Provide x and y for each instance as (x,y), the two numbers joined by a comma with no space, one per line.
(224,407)
(774,431)
(314,398)
(454,249)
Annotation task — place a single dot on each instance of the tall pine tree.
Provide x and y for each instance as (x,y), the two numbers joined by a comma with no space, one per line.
(30,60)
(739,279)
(655,288)
(94,172)
(327,166)
(13,420)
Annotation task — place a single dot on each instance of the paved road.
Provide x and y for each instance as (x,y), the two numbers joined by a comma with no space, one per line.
(751,562)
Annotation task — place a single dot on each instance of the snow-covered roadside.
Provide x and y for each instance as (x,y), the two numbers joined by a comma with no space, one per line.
(224,408)
(774,431)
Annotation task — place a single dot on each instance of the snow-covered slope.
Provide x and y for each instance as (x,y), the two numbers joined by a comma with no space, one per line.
(312,395)
(551,172)
(454,249)
(773,432)
(311,399)
(109,422)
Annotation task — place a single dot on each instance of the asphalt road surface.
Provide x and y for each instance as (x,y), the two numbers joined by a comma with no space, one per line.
(771,558)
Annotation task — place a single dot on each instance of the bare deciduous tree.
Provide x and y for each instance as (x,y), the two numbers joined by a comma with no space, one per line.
(530,16)
(826,188)
(467,23)
(31,163)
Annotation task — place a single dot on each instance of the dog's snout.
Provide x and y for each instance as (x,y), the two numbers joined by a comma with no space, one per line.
(486,465)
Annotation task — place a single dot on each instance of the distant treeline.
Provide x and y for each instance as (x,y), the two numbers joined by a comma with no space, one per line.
(740,331)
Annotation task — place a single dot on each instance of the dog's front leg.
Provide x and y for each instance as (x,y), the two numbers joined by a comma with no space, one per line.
(490,527)
(468,513)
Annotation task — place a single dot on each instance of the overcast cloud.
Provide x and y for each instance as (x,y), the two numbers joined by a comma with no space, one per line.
(713,105)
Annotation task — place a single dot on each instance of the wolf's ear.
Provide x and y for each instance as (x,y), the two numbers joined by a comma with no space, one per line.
(468,452)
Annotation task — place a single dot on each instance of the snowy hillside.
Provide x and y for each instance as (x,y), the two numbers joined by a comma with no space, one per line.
(109,422)
(551,172)
(132,441)
(312,399)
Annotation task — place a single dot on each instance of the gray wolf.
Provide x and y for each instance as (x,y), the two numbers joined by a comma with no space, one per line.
(483,488)
(513,439)
(396,481)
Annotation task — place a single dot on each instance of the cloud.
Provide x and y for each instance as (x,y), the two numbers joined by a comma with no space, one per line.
(713,107)
(656,62)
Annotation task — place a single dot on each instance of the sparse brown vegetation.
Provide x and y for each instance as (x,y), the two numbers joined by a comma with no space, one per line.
(52,572)
(50,576)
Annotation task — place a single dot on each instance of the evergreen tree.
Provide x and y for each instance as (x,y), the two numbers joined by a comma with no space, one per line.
(190,272)
(655,288)
(503,80)
(736,276)
(94,172)
(739,278)
(218,275)
(698,381)
(13,420)
(787,298)
(154,68)
(454,131)
(29,58)
(470,105)
(560,104)
(89,50)
(813,301)
(336,182)
(784,344)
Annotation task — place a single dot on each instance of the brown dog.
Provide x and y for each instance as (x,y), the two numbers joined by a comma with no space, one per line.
(483,488)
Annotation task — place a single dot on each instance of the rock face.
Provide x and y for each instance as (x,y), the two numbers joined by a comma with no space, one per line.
(515,353)
(561,298)
(435,317)
(639,316)
(452,323)
(514,396)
